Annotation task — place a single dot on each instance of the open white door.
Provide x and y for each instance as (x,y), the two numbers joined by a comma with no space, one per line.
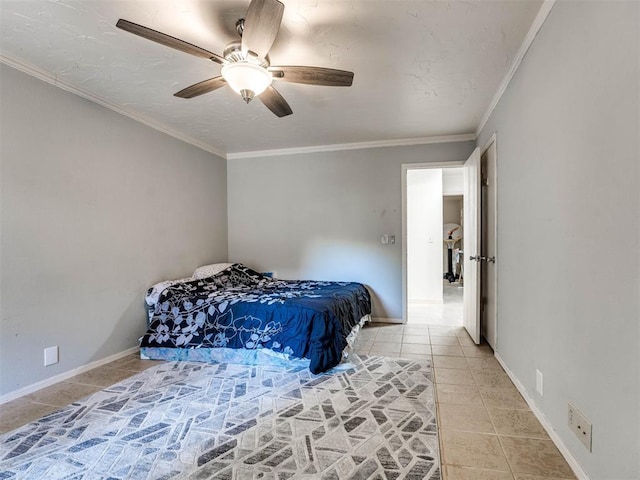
(471,262)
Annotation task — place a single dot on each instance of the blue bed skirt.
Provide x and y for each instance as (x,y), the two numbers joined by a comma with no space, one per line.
(257,356)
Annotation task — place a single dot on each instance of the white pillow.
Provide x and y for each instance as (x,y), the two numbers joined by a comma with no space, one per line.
(209,270)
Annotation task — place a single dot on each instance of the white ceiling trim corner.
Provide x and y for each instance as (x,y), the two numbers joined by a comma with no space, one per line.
(69,87)
(542,15)
(463,137)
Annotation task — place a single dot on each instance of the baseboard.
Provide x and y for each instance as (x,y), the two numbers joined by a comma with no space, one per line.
(386,320)
(566,453)
(64,376)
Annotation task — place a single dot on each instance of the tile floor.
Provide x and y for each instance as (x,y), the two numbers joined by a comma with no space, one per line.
(448,313)
(487,432)
(37,404)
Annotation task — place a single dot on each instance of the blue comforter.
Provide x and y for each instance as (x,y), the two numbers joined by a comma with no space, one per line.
(240,308)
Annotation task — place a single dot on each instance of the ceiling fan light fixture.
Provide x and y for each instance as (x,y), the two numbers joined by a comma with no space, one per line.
(247,95)
(246,78)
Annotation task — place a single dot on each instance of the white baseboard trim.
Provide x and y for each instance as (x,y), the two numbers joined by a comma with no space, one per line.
(386,320)
(64,376)
(573,463)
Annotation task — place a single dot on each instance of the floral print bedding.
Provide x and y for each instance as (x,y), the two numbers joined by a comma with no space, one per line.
(241,309)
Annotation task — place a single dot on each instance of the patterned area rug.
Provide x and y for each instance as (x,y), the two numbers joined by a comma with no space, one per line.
(371,419)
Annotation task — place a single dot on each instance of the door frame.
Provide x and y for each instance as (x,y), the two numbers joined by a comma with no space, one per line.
(492,144)
(405,167)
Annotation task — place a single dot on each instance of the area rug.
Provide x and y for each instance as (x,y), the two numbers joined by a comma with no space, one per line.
(373,418)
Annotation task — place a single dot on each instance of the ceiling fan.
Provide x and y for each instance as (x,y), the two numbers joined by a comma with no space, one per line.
(245,63)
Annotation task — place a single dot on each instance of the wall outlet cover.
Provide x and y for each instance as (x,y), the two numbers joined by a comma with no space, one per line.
(579,425)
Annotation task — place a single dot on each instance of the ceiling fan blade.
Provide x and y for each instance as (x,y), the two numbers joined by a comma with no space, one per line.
(275,102)
(201,88)
(168,40)
(313,75)
(261,26)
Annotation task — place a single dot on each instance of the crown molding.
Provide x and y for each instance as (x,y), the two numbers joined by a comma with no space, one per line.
(545,8)
(524,47)
(464,137)
(53,79)
(69,87)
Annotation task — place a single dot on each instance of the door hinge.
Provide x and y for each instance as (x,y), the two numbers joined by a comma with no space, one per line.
(485,181)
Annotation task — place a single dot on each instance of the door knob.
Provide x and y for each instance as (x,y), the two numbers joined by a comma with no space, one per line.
(480,258)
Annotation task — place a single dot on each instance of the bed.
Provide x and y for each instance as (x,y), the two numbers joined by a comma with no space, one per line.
(231,313)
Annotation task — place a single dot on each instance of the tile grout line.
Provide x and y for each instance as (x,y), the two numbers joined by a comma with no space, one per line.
(443,473)
(513,474)
(495,433)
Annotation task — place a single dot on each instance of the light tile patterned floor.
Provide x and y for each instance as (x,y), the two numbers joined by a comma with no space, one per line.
(487,431)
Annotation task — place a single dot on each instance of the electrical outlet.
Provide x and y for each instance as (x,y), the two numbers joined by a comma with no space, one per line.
(539,382)
(50,356)
(579,424)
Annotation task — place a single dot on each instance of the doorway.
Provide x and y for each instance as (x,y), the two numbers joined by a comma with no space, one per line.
(478,248)
(432,246)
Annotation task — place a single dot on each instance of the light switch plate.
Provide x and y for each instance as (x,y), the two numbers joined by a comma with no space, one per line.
(539,382)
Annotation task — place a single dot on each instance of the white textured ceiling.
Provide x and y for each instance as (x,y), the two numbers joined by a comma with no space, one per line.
(422,68)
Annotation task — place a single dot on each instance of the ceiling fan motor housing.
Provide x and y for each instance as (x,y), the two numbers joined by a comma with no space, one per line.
(233,53)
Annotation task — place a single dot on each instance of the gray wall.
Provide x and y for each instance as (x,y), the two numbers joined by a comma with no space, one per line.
(321,215)
(95,207)
(568,227)
(451,208)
